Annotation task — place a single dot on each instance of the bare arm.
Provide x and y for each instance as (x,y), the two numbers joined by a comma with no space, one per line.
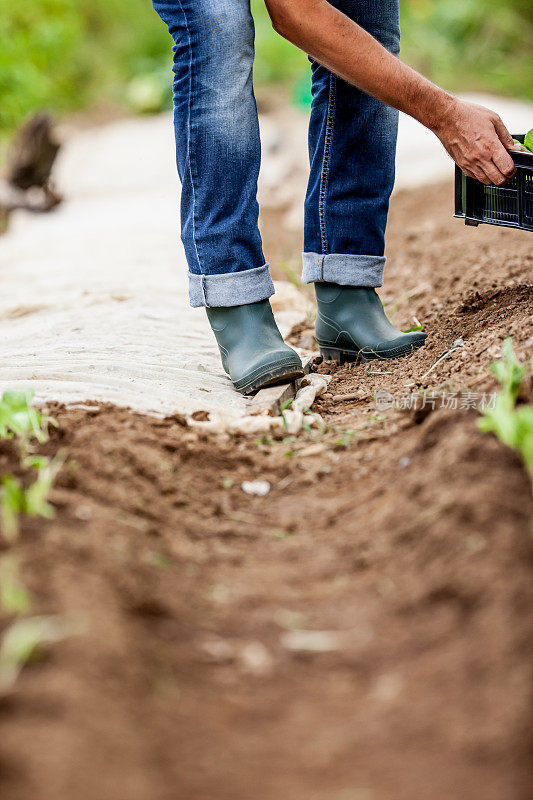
(474,136)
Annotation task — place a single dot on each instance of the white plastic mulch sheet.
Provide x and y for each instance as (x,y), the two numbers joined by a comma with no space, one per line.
(93,297)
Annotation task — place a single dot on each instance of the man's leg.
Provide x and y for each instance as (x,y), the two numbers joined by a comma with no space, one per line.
(218,156)
(218,149)
(352,147)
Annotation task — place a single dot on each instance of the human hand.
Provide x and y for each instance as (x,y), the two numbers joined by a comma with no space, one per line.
(476,139)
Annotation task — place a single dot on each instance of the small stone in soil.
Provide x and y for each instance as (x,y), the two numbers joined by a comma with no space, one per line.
(312,641)
(257,488)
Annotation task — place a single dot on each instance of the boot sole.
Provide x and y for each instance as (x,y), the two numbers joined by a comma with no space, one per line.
(281,374)
(365,354)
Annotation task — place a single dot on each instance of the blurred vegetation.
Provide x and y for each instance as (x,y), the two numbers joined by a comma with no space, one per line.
(471,44)
(70,54)
(64,55)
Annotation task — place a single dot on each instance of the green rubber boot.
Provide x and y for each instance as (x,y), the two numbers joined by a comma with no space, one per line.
(253,353)
(351,326)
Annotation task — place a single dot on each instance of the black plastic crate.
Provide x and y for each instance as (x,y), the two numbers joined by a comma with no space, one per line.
(510,205)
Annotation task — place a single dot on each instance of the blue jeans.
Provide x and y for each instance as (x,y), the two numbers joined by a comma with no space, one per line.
(352,145)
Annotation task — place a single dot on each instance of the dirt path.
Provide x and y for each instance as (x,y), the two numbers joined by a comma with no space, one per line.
(93,297)
(363,632)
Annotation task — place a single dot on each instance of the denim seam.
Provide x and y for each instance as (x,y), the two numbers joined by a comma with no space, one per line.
(189,158)
(328,138)
(204,288)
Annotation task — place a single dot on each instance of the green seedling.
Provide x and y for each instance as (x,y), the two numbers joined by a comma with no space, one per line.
(25,641)
(37,493)
(321,425)
(287,404)
(12,504)
(264,441)
(19,418)
(512,424)
(306,426)
(346,440)
(14,597)
(32,501)
(282,534)
(528,140)
(414,328)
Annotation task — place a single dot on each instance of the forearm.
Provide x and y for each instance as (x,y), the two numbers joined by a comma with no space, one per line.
(335,41)
(474,136)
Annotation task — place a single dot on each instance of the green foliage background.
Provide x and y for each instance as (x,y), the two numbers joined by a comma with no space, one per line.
(69,54)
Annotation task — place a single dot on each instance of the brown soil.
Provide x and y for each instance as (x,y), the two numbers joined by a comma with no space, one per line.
(404,537)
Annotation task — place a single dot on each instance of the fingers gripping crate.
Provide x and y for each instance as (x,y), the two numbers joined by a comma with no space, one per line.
(510,205)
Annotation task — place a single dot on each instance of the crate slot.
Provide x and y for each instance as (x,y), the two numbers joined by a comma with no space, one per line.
(527,198)
(501,203)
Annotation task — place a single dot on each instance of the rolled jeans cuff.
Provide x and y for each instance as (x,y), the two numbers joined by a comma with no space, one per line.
(230,288)
(346,270)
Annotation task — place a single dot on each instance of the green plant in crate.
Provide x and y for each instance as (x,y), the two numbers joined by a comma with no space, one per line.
(512,424)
